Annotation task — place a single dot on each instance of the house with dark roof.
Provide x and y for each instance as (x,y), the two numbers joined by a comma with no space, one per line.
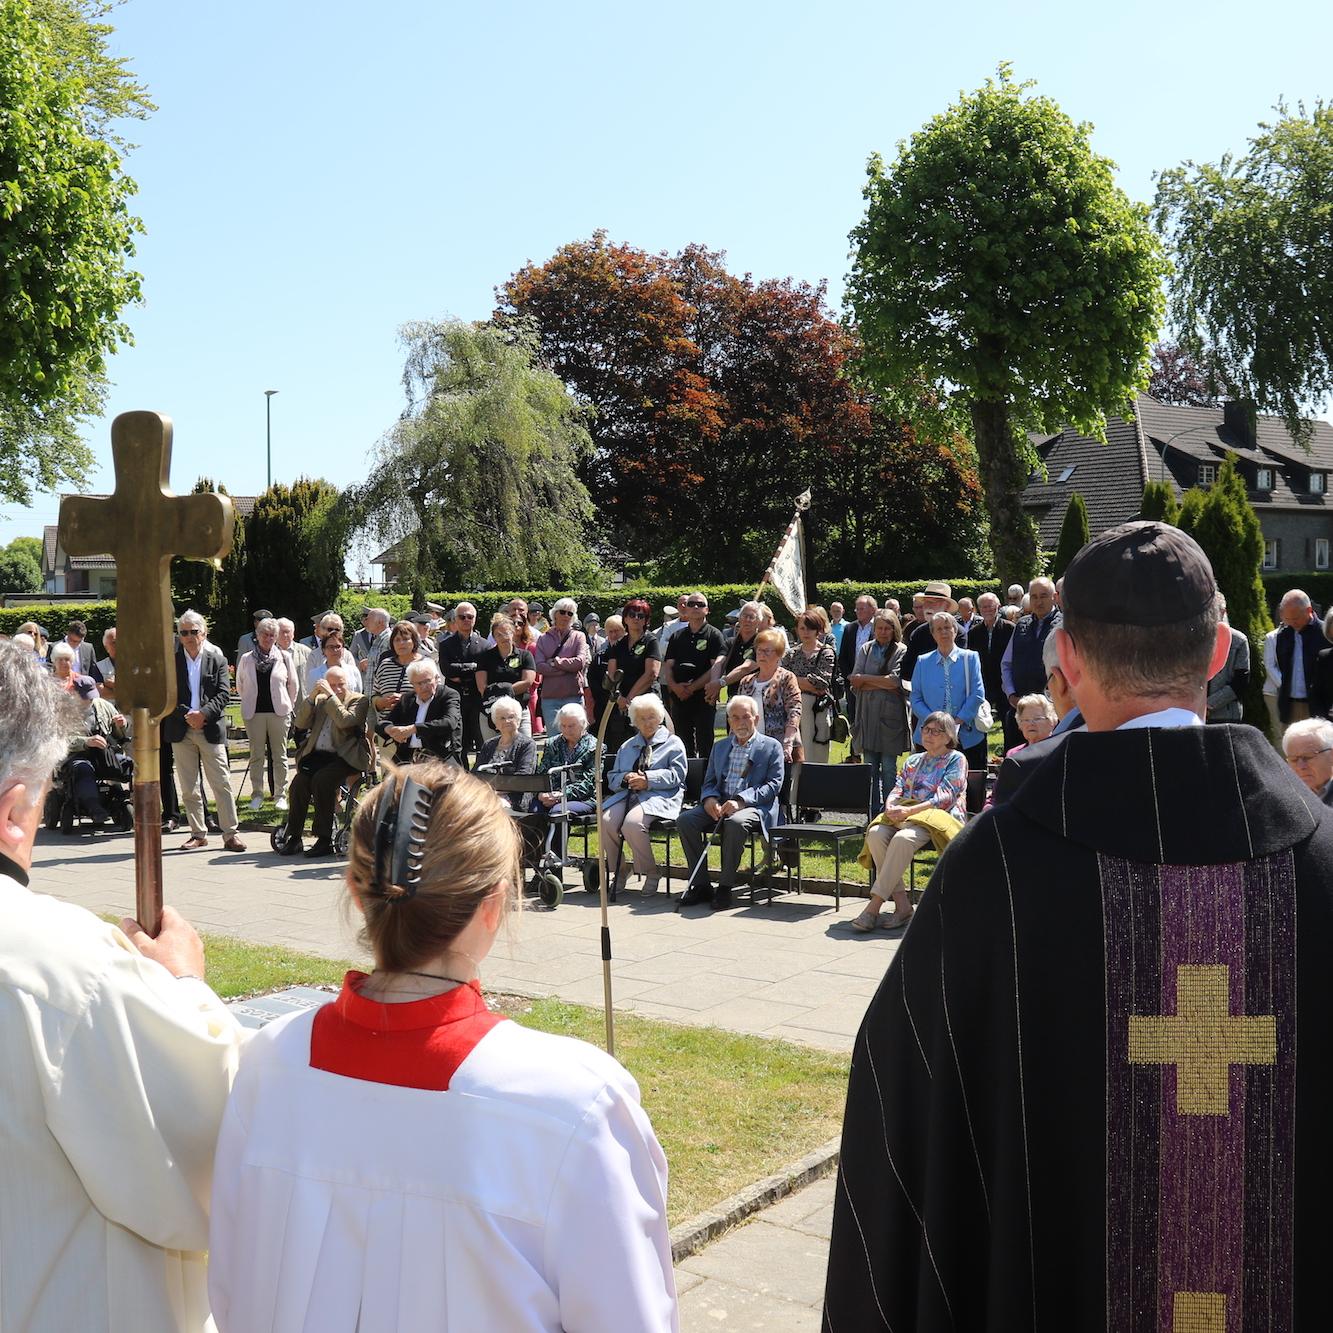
(92,576)
(1185,446)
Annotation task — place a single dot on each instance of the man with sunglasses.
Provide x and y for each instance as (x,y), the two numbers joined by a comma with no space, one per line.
(693,656)
(197,731)
(459,653)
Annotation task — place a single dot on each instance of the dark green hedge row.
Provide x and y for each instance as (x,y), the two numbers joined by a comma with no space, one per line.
(722,597)
(98,616)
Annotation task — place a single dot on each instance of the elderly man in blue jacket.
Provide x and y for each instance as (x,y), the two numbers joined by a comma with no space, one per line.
(741,788)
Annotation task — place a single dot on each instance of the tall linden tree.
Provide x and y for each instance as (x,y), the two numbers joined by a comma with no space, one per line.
(1000,274)
(66,233)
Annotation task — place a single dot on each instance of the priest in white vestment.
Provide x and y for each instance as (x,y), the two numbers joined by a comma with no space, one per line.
(116,1066)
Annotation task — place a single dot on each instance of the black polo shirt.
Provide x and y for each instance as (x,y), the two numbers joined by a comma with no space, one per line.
(692,652)
(506,670)
(632,662)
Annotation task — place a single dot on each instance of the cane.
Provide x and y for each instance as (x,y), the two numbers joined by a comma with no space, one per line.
(601,878)
(699,864)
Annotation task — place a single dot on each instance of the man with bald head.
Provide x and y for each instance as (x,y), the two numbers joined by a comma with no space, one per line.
(1301,630)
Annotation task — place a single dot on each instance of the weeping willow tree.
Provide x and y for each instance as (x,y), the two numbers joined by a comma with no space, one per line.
(476,483)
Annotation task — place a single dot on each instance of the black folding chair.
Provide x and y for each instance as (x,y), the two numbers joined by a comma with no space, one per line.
(833,788)
(664,826)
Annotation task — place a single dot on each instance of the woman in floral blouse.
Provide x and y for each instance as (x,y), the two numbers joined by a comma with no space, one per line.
(933,780)
(777,693)
(812,663)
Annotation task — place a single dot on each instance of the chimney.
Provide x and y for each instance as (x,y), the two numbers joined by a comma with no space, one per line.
(1241,417)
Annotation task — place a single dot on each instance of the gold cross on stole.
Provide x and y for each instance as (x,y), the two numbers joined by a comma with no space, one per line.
(1203,1039)
(142,524)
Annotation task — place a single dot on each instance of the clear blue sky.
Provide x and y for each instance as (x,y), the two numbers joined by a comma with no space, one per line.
(317,175)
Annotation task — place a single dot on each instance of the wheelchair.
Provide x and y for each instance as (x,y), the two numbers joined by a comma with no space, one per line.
(344,811)
(546,864)
(114,779)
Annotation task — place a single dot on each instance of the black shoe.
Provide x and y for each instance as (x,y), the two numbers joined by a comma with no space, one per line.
(320,848)
(700,893)
(722,898)
(292,847)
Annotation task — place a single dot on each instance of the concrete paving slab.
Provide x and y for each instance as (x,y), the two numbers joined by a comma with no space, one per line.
(774,1260)
(716,1304)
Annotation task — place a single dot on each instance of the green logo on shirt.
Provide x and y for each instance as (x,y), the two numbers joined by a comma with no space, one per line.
(513,661)
(701,643)
(638,648)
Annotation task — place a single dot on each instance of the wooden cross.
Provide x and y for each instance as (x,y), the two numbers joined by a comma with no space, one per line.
(142,524)
(1203,1039)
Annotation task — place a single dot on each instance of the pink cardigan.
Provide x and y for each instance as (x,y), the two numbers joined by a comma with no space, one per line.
(282,682)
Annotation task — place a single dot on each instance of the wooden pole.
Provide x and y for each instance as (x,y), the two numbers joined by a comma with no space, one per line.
(612,702)
(147,754)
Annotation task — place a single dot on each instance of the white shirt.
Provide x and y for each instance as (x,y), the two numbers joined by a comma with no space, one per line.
(193,666)
(1272,672)
(527,1197)
(116,1075)
(1166,717)
(415,742)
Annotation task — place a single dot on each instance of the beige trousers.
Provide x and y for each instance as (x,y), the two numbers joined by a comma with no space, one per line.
(267,731)
(892,851)
(619,822)
(191,756)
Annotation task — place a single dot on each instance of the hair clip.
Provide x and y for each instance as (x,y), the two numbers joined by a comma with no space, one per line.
(400,840)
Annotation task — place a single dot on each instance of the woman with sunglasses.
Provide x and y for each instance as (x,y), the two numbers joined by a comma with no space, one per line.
(634,664)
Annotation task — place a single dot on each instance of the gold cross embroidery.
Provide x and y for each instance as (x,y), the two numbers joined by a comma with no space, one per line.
(1199,1312)
(1203,1039)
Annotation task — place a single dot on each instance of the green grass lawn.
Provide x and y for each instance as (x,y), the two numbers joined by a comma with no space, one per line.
(728,1109)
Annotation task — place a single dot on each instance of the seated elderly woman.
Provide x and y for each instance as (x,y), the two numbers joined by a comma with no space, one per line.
(570,745)
(927,805)
(1308,745)
(509,751)
(336,748)
(647,783)
(1036,717)
(63,658)
(427,720)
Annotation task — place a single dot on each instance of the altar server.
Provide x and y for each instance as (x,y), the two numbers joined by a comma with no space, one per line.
(404,1159)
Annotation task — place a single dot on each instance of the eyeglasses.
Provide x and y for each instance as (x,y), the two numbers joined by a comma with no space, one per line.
(697,606)
(1307,758)
(564,613)
(934,730)
(189,633)
(635,615)
(466,615)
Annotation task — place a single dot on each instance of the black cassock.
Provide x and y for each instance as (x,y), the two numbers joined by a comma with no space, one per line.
(1081,1098)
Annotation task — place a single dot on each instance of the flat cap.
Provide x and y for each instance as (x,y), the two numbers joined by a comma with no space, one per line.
(1142,573)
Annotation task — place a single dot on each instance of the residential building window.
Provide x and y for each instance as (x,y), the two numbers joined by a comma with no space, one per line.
(1264,479)
(1272,551)
(1318,482)
(1207,474)
(1321,552)
(1067,473)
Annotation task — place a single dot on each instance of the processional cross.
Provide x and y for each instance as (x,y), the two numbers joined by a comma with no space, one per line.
(142,524)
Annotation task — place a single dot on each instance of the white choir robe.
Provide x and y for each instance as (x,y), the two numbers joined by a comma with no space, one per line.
(113,1079)
(529,1195)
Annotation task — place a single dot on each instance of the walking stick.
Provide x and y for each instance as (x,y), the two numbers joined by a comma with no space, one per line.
(601,876)
(699,864)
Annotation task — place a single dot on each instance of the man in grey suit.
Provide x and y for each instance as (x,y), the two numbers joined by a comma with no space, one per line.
(85,655)
(1308,745)
(1227,688)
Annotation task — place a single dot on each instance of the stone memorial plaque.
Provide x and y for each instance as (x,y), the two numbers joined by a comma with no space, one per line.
(263,1009)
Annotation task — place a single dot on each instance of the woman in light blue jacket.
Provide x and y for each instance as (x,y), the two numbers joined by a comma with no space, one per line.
(647,783)
(949,681)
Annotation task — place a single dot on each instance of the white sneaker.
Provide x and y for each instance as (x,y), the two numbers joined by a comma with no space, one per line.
(280,803)
(256,803)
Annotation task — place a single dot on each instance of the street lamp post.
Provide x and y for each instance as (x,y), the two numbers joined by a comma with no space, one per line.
(268,432)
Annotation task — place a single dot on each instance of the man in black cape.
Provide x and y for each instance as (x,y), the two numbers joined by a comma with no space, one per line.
(1074,1101)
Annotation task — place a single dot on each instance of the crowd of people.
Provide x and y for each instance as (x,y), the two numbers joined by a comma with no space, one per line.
(1127,904)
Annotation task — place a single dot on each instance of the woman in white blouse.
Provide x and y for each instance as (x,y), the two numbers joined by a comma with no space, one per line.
(403,1160)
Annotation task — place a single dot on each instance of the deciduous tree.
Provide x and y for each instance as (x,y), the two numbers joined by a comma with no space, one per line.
(478,479)
(1253,289)
(19,572)
(1001,273)
(1177,378)
(66,234)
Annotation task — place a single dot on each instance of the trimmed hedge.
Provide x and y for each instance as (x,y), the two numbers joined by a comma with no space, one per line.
(722,597)
(98,616)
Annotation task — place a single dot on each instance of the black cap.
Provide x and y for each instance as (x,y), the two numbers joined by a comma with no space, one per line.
(262,614)
(419,618)
(592,615)
(1142,573)
(537,607)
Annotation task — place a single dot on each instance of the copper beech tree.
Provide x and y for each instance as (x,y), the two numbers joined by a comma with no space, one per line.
(717,398)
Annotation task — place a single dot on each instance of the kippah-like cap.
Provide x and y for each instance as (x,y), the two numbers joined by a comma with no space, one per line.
(1142,573)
